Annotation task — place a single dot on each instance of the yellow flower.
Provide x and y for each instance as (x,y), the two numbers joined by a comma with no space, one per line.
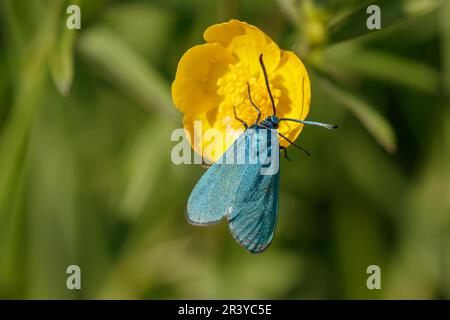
(212,78)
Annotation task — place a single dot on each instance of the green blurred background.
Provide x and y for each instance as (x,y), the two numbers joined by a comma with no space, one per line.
(86,176)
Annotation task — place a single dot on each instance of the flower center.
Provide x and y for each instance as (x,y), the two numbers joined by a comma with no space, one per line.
(233,88)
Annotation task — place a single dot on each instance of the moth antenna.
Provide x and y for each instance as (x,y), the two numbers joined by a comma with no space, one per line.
(266,78)
(313,123)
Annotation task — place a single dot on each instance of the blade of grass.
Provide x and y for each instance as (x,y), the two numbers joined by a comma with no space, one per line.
(374,122)
(385,66)
(61,61)
(117,62)
(128,19)
(29,92)
(14,29)
(12,264)
(392,12)
(13,139)
(61,65)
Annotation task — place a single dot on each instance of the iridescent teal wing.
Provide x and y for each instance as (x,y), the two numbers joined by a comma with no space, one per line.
(253,215)
(213,194)
(246,193)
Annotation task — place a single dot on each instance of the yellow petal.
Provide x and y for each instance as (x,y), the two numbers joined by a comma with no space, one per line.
(195,86)
(246,42)
(292,79)
(203,140)
(223,33)
(232,55)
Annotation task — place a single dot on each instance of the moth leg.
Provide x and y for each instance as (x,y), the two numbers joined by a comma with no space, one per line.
(238,119)
(285,153)
(254,104)
(295,145)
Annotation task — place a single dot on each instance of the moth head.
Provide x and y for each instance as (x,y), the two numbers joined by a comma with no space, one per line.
(274,121)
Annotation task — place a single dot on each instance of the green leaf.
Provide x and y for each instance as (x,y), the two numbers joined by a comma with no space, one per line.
(29,90)
(13,30)
(384,66)
(14,136)
(392,12)
(118,63)
(128,19)
(374,122)
(61,61)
